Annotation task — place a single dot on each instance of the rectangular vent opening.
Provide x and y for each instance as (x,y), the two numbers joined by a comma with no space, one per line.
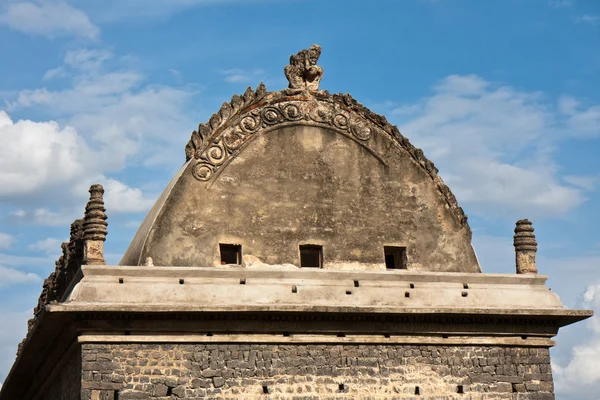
(121,280)
(395,257)
(412,285)
(181,281)
(460,389)
(294,289)
(417,390)
(406,294)
(265,389)
(356,283)
(311,256)
(230,253)
(465,285)
(242,281)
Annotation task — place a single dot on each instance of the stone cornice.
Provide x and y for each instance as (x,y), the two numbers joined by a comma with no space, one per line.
(197,289)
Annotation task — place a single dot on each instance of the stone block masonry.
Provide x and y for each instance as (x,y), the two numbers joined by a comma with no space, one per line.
(65,383)
(314,371)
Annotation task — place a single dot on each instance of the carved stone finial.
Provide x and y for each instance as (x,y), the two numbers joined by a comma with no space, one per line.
(525,247)
(303,73)
(94,227)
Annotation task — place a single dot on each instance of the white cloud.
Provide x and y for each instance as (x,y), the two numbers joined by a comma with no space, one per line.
(580,377)
(6,240)
(584,182)
(118,197)
(112,109)
(560,3)
(121,198)
(14,328)
(238,75)
(58,72)
(568,105)
(494,145)
(109,119)
(10,276)
(588,19)
(495,253)
(45,217)
(48,246)
(48,18)
(87,59)
(116,10)
(39,154)
(581,121)
(20,261)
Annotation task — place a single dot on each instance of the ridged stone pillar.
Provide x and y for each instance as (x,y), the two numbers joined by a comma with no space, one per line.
(525,247)
(94,228)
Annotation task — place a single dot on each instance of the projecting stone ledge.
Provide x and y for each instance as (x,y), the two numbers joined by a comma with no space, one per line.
(194,290)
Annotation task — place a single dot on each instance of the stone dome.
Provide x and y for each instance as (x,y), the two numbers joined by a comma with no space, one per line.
(301,177)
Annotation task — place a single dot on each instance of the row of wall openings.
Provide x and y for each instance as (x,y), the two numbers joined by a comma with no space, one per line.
(311,255)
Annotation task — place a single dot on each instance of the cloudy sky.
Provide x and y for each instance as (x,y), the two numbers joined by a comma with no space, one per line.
(504,96)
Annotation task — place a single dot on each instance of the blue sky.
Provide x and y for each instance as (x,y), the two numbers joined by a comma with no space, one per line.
(504,96)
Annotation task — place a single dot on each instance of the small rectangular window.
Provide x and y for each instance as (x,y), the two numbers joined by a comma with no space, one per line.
(311,256)
(230,253)
(395,257)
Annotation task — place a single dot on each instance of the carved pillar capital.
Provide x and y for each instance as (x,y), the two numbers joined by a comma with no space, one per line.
(525,247)
(94,227)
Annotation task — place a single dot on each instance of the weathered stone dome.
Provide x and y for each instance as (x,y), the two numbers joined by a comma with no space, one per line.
(272,171)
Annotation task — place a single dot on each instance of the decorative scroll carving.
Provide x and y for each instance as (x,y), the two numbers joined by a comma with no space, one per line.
(237,122)
(303,73)
(525,247)
(223,147)
(237,103)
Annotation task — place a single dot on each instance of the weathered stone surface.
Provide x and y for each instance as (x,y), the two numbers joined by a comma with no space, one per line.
(94,225)
(273,170)
(525,247)
(303,73)
(291,371)
(308,185)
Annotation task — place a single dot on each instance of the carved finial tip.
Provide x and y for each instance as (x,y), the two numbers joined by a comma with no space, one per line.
(303,73)
(96,187)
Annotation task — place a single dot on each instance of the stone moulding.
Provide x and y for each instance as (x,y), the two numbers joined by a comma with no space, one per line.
(216,143)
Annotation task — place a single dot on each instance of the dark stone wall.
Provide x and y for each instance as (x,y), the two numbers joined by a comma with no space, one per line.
(309,185)
(312,371)
(66,384)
